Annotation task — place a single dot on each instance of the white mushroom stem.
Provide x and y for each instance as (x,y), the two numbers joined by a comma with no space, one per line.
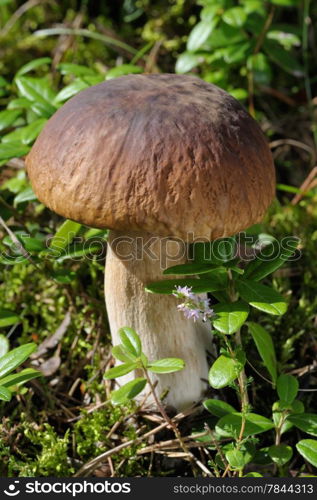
(133,261)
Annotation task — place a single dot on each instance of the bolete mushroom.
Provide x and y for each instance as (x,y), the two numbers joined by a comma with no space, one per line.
(159,160)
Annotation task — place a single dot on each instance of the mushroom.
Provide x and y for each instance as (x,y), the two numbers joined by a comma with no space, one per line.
(161,160)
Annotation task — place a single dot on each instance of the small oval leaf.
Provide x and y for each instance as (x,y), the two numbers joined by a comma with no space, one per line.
(308,449)
(224,371)
(287,388)
(128,391)
(120,370)
(166,365)
(217,407)
(130,340)
(230,317)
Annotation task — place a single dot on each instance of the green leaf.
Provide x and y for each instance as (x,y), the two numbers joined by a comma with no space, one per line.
(25,195)
(265,347)
(71,90)
(130,340)
(64,276)
(287,388)
(283,58)
(253,474)
(230,317)
(123,69)
(36,63)
(286,3)
(75,69)
(306,422)
(270,260)
(122,354)
(8,117)
(230,425)
(94,232)
(12,260)
(209,12)
(128,391)
(78,252)
(15,358)
(120,370)
(260,67)
(12,149)
(297,406)
(279,413)
(239,94)
(19,103)
(189,269)
(235,17)
(308,449)
(64,235)
(186,62)
(27,134)
(217,407)
(235,458)
(288,189)
(261,457)
(5,394)
(254,6)
(280,454)
(223,371)
(261,297)
(4,345)
(200,33)
(8,318)
(216,281)
(237,53)
(166,365)
(20,378)
(225,35)
(287,40)
(217,252)
(38,91)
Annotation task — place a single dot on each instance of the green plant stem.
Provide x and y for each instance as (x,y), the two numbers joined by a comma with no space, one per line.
(278,430)
(256,50)
(242,379)
(219,450)
(86,33)
(265,28)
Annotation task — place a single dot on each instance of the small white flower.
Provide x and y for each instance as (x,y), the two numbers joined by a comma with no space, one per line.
(194,307)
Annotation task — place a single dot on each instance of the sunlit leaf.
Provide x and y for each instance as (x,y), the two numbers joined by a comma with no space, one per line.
(15,358)
(166,365)
(308,449)
(230,317)
(128,391)
(265,347)
(261,297)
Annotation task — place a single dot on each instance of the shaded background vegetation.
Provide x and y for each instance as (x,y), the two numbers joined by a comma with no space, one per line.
(266,56)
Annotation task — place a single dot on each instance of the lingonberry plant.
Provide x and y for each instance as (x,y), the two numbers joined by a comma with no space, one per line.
(235,289)
(129,352)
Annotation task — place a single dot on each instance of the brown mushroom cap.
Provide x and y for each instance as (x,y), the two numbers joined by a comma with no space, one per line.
(166,154)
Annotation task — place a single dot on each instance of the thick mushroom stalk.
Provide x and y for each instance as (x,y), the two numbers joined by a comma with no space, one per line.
(134,260)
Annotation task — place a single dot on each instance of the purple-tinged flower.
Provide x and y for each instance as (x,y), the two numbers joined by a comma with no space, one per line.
(192,314)
(184,292)
(194,306)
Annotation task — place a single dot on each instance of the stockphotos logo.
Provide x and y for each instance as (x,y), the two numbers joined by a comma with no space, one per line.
(73,488)
(12,490)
